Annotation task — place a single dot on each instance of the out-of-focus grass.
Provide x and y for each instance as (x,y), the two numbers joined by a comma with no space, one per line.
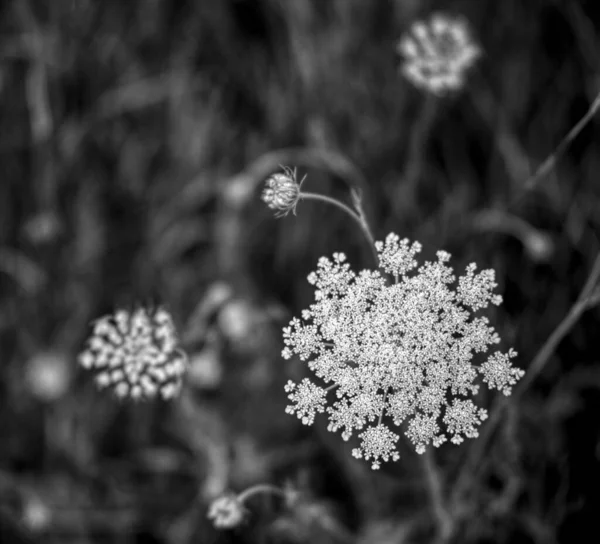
(125,127)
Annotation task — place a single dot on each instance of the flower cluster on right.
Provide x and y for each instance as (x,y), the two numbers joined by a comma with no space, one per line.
(397,353)
(438,53)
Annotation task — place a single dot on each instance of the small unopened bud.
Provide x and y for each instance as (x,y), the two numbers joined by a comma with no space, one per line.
(227,512)
(282,192)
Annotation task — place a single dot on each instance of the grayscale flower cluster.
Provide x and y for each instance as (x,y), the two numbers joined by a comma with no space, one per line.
(136,354)
(389,353)
(437,53)
(282,192)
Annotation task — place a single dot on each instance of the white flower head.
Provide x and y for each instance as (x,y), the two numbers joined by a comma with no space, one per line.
(282,191)
(136,354)
(437,53)
(397,353)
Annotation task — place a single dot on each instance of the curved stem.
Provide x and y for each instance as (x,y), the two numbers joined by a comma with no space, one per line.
(260,488)
(359,218)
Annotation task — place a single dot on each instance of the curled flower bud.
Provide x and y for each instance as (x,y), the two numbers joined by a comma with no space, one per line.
(282,191)
(136,354)
(437,53)
(226,511)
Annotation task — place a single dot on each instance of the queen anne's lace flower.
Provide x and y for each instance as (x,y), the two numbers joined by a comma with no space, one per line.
(136,354)
(399,352)
(437,53)
(282,192)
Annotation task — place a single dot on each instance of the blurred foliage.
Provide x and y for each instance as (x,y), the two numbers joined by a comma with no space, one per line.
(129,129)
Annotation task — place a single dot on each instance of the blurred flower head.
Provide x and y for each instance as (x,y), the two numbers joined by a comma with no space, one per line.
(136,354)
(206,367)
(437,53)
(282,191)
(48,375)
(36,515)
(42,228)
(402,351)
(237,319)
(539,246)
(226,511)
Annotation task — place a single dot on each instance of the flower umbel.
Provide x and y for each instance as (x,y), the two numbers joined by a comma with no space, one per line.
(403,351)
(437,53)
(282,192)
(136,354)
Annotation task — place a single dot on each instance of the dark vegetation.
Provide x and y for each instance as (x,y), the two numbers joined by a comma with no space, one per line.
(129,135)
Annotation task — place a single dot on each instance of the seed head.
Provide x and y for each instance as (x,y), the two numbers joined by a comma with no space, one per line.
(437,53)
(282,192)
(387,355)
(136,354)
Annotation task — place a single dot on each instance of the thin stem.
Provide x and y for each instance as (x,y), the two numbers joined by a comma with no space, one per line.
(333,201)
(550,162)
(383,409)
(359,217)
(515,158)
(444,520)
(419,133)
(260,488)
(357,201)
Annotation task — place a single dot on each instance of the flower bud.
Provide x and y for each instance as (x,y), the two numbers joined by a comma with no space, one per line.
(226,511)
(282,192)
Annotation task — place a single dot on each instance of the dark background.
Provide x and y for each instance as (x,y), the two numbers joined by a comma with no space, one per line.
(128,140)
